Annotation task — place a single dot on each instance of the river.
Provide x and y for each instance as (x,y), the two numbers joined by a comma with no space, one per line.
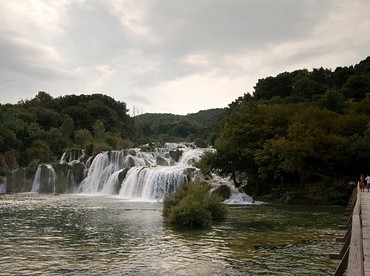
(106,235)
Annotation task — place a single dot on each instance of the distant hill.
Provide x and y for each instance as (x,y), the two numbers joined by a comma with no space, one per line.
(167,127)
(207,117)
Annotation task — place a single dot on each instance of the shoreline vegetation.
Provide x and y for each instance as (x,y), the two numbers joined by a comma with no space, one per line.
(299,137)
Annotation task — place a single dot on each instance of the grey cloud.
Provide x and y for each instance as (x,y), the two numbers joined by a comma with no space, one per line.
(221,28)
(150,42)
(94,33)
(138,99)
(21,55)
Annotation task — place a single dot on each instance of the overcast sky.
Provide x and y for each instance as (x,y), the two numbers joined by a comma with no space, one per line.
(171,56)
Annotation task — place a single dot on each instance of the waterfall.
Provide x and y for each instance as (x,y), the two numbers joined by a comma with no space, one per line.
(2,188)
(45,178)
(145,183)
(142,175)
(150,174)
(72,156)
(2,183)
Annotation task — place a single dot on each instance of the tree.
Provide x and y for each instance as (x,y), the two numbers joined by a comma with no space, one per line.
(333,100)
(43,97)
(357,86)
(83,137)
(99,129)
(39,150)
(67,127)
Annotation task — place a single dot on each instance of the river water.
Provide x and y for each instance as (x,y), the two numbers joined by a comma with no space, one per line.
(97,235)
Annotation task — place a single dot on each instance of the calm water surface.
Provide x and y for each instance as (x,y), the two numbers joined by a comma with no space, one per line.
(80,235)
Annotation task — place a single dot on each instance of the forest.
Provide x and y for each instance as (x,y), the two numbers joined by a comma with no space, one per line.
(300,136)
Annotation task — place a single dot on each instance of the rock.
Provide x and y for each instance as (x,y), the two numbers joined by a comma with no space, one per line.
(20,180)
(130,162)
(8,160)
(161,161)
(176,154)
(223,191)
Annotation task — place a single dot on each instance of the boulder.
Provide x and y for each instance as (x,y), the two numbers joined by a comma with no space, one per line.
(223,191)
(160,161)
(176,154)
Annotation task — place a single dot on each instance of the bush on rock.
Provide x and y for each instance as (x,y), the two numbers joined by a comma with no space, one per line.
(193,205)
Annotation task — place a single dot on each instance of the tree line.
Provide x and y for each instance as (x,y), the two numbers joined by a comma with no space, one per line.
(41,129)
(301,136)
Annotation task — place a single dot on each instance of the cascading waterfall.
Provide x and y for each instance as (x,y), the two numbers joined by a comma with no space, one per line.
(105,165)
(143,183)
(72,156)
(139,175)
(45,178)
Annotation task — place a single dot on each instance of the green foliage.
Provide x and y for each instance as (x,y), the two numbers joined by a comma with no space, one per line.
(39,150)
(295,126)
(197,127)
(333,100)
(83,137)
(207,163)
(193,205)
(43,127)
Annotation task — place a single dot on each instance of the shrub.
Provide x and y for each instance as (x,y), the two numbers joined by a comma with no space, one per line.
(193,205)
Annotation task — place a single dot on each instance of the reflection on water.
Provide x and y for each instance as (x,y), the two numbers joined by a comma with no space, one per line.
(77,235)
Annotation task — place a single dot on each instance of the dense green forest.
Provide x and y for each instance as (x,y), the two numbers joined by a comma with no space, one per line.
(300,135)
(197,127)
(39,130)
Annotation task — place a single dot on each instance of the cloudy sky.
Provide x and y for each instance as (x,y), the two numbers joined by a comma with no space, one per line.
(171,56)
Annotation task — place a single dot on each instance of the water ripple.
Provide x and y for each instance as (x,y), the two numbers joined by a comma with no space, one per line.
(71,235)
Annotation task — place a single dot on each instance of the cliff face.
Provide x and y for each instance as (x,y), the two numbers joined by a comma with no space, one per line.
(8,160)
(9,171)
(19,180)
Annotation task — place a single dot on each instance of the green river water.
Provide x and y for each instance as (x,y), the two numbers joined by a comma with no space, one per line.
(87,235)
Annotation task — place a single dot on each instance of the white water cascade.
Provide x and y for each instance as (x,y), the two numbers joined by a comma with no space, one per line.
(44,179)
(72,156)
(142,175)
(2,187)
(142,183)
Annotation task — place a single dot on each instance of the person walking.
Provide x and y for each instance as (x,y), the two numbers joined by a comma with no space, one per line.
(367,182)
(361,183)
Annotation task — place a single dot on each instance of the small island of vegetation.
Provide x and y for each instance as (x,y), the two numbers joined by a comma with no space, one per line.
(192,204)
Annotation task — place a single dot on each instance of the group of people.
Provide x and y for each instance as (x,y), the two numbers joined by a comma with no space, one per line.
(364,182)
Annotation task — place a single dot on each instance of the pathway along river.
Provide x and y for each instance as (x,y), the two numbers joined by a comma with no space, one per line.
(96,235)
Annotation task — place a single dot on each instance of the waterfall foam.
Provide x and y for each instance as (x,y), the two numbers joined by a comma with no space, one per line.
(72,156)
(149,175)
(137,174)
(153,183)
